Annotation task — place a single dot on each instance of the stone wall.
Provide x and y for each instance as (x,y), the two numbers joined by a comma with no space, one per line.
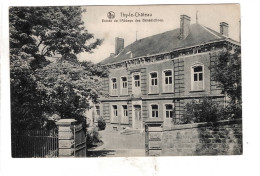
(220,138)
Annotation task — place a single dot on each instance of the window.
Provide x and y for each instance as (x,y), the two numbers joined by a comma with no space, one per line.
(154,113)
(154,79)
(114,84)
(124,90)
(154,82)
(124,82)
(98,110)
(197,78)
(137,80)
(114,110)
(114,114)
(124,118)
(168,81)
(125,112)
(114,87)
(168,111)
(136,84)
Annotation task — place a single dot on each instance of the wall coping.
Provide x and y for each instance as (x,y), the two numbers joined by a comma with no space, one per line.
(204,124)
(66,122)
(153,121)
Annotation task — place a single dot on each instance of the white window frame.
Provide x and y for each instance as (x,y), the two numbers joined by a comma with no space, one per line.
(136,74)
(115,111)
(123,91)
(192,76)
(163,81)
(136,91)
(97,110)
(124,86)
(151,110)
(112,89)
(151,87)
(114,114)
(124,111)
(164,109)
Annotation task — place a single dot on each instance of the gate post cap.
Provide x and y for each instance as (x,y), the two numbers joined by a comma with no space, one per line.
(66,122)
(154,121)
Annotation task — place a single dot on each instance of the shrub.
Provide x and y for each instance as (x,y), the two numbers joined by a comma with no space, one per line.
(101,123)
(234,111)
(204,111)
(93,137)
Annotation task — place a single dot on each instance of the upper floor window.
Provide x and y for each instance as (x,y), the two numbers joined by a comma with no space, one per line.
(136,84)
(114,83)
(124,90)
(114,86)
(124,82)
(153,82)
(168,81)
(197,77)
(154,79)
(154,111)
(168,111)
(137,80)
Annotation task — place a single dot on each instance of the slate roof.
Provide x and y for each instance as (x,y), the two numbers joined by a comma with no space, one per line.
(165,42)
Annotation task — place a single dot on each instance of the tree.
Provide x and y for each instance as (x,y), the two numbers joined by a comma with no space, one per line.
(44,31)
(26,101)
(36,34)
(227,72)
(68,87)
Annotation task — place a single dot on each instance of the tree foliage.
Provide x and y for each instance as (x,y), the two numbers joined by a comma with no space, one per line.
(43,85)
(48,30)
(205,110)
(227,72)
(68,87)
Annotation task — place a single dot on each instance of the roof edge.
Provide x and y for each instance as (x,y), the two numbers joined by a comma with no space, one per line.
(223,40)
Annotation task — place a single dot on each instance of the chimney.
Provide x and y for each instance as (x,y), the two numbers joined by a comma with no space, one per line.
(184,26)
(224,28)
(119,45)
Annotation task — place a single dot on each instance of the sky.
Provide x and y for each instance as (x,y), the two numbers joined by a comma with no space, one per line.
(208,15)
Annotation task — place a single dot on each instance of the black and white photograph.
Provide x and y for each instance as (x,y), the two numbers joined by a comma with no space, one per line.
(128,81)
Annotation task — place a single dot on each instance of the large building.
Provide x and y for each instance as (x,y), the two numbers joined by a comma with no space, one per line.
(155,77)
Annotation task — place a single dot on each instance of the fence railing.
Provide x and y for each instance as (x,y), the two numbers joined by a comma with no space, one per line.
(79,141)
(36,143)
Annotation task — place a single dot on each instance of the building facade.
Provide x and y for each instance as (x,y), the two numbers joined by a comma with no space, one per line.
(155,77)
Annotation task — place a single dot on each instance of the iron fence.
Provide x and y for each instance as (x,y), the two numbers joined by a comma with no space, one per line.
(35,144)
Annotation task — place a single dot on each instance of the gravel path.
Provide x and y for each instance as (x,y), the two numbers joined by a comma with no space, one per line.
(119,145)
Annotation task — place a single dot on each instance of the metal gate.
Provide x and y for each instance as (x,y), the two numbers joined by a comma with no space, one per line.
(35,144)
(80,147)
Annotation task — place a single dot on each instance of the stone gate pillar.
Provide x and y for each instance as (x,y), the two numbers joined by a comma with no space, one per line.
(153,137)
(66,137)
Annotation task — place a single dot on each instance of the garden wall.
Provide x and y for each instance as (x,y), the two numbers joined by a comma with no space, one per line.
(219,138)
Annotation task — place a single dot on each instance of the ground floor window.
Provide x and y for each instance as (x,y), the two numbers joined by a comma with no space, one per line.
(155,112)
(98,110)
(125,112)
(114,110)
(124,117)
(169,111)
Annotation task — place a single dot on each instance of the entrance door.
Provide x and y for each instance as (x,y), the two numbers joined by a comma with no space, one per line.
(138,119)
